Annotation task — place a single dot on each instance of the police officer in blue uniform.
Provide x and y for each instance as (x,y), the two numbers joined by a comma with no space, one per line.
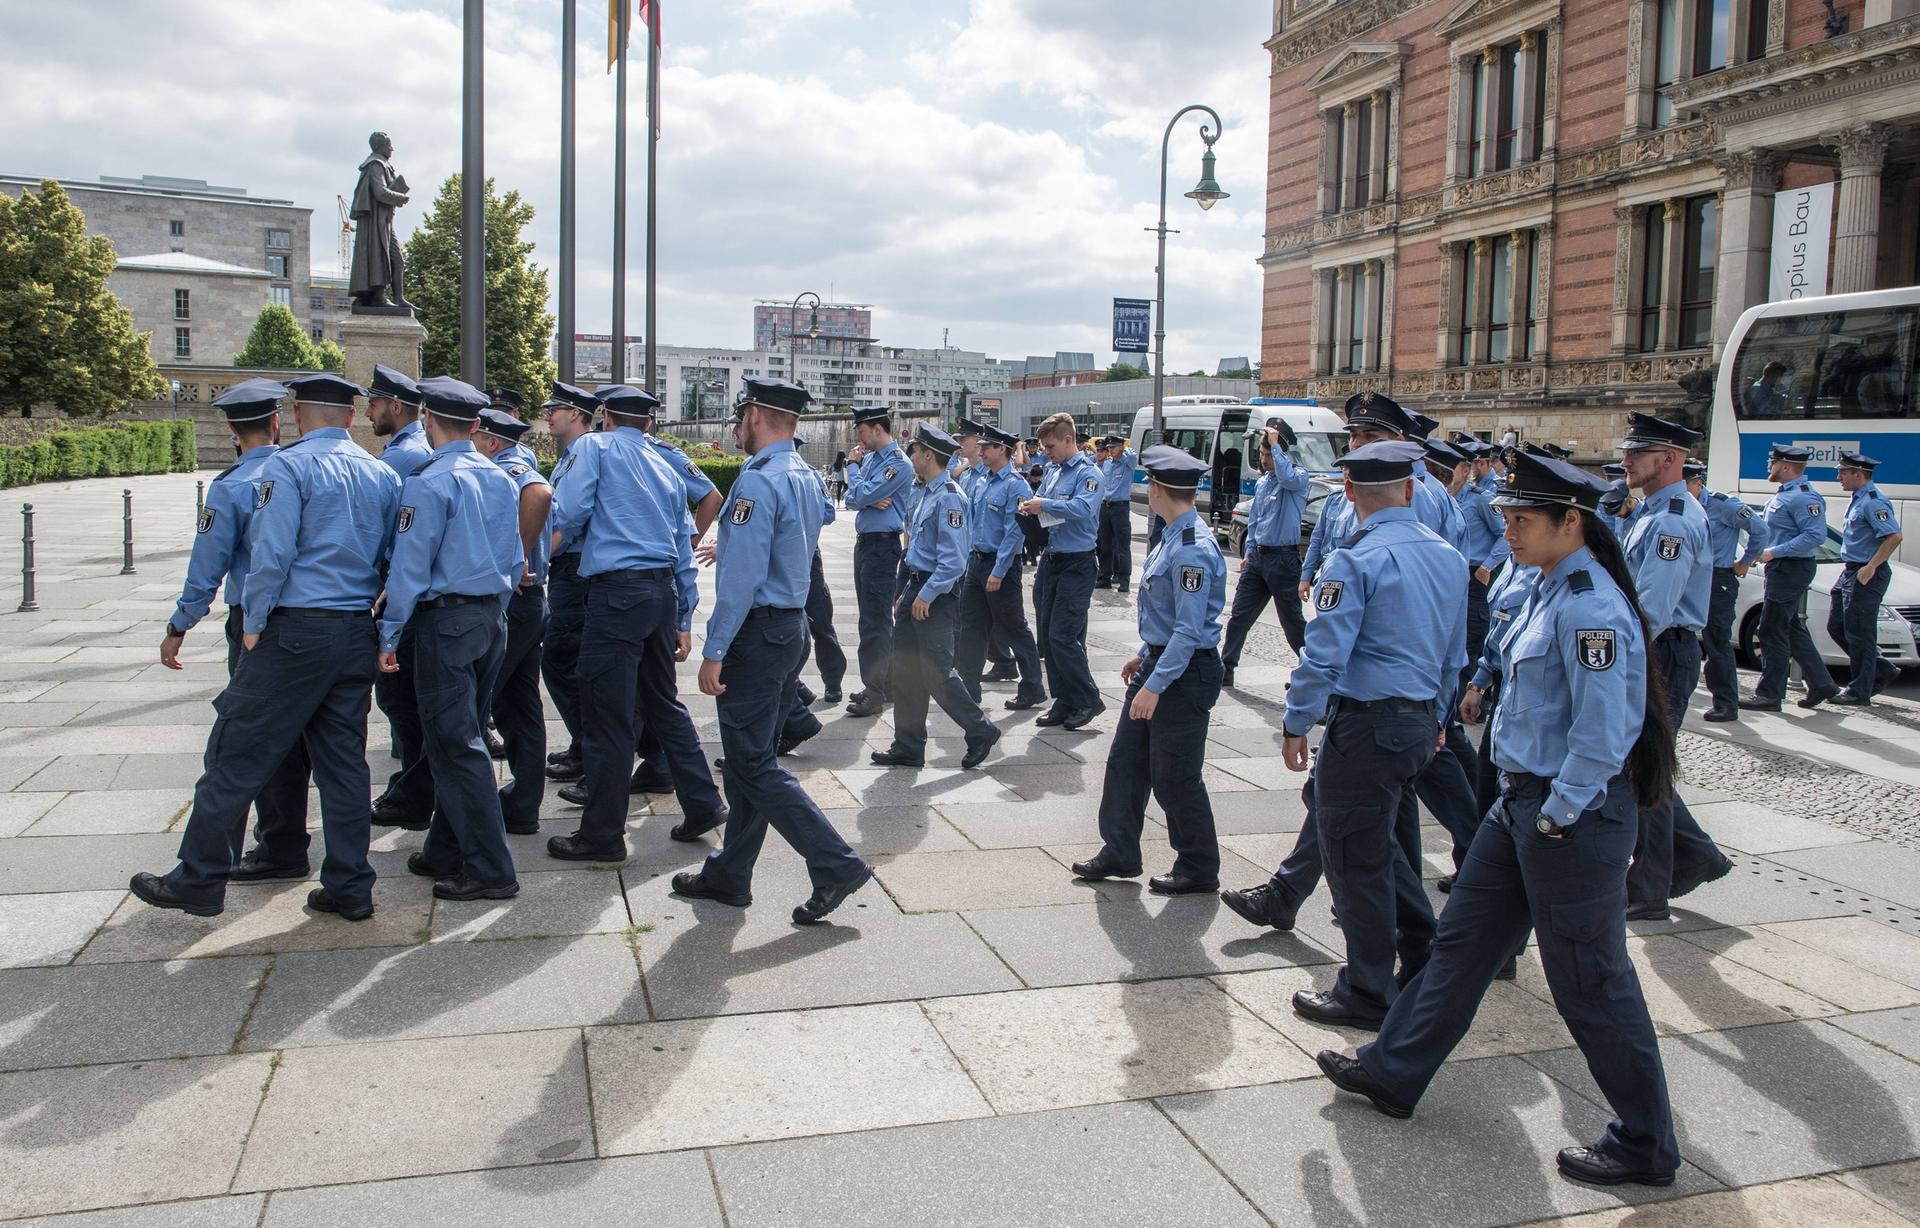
(1115,538)
(1577,756)
(1383,654)
(1868,538)
(1172,685)
(926,615)
(1796,527)
(1505,602)
(221,552)
(1486,553)
(991,608)
(456,558)
(516,706)
(628,508)
(969,470)
(393,409)
(877,484)
(1063,588)
(1728,520)
(571,413)
(769,526)
(322,523)
(1270,564)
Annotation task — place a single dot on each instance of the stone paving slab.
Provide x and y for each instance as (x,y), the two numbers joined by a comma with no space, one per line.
(76,772)
(780,881)
(933,786)
(86,1137)
(240,1212)
(261,919)
(123,1012)
(1784,1204)
(987,878)
(1080,1168)
(1758,890)
(19,810)
(1896,1186)
(706,1082)
(1846,985)
(1875,869)
(1751,828)
(1006,825)
(549,905)
(1879,949)
(49,930)
(364,1112)
(1898,1030)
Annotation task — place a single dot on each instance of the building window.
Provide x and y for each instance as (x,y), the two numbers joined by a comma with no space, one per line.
(317,302)
(318,331)
(1697,269)
(1502,100)
(176,228)
(1500,302)
(1477,117)
(1354,311)
(1712,32)
(182,303)
(1469,302)
(1679,254)
(1653,274)
(183,343)
(279,238)
(1356,137)
(281,296)
(277,265)
(1497,299)
(1681,39)
(1666,58)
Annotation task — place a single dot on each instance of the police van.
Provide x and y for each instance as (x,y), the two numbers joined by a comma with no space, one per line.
(1222,432)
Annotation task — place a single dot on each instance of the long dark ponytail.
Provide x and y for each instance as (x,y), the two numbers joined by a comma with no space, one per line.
(1652,762)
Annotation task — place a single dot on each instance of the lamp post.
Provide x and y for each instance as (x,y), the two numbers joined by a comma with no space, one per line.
(1204,194)
(813,330)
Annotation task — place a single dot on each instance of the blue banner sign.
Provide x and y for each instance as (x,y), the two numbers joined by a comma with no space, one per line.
(1132,322)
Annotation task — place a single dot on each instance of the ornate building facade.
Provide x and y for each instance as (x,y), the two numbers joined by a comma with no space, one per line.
(1539,214)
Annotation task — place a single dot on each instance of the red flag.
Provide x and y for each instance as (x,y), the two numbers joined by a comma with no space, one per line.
(649,16)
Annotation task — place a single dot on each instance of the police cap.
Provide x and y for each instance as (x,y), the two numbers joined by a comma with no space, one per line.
(507,399)
(994,435)
(1548,481)
(1442,452)
(1288,438)
(1791,453)
(1472,445)
(394,385)
(1423,426)
(569,397)
(1082,437)
(936,441)
(324,388)
(251,400)
(1693,469)
(967,428)
(863,414)
(449,398)
(1172,467)
(1382,463)
(1615,470)
(1378,411)
(1615,497)
(501,424)
(1647,431)
(1856,460)
(628,401)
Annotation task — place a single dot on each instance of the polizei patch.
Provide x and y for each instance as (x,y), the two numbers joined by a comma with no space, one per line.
(264,497)
(956,517)
(1329,595)
(405,522)
(1191,578)
(1669,548)
(742,511)
(1597,649)
(206,519)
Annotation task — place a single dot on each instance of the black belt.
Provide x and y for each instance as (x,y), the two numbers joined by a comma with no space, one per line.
(530,590)
(768,611)
(1675,633)
(565,564)
(304,611)
(919,577)
(883,533)
(1154,650)
(1723,571)
(1393,703)
(1068,554)
(634,573)
(1276,549)
(450,599)
(985,554)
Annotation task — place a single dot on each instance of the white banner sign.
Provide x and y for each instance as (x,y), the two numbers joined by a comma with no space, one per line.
(1802,232)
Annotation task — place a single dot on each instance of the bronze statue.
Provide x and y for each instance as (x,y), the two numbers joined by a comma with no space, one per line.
(376,252)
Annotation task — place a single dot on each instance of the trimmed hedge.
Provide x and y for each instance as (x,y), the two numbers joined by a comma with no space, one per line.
(101,451)
(720,470)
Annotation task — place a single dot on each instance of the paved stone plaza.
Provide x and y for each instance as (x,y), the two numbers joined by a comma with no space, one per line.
(975,1038)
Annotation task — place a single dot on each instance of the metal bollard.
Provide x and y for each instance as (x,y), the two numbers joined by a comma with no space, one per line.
(199,499)
(27,603)
(126,533)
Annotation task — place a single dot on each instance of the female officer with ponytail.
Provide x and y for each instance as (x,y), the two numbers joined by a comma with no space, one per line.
(1581,742)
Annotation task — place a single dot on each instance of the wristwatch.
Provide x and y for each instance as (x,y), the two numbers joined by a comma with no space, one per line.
(1548,828)
(174,631)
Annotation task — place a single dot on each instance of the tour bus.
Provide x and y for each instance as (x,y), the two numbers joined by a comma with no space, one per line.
(1222,430)
(1829,374)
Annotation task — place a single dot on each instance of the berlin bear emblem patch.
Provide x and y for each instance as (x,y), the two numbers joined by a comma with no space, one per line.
(1093,484)
(956,517)
(742,511)
(1669,548)
(888,475)
(264,497)
(206,519)
(516,471)
(1329,595)
(693,470)
(1596,649)
(1191,578)
(405,522)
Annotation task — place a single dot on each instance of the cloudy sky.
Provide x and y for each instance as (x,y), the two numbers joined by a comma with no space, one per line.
(986,167)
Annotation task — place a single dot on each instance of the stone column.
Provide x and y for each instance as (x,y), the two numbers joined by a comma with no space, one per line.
(1394,97)
(1674,251)
(1543,289)
(1459,134)
(1329,165)
(1377,151)
(1746,236)
(1482,296)
(1856,229)
(1343,290)
(1517,283)
(1776,26)
(1374,283)
(1629,257)
(1350,155)
(1527,63)
(1450,272)
(1320,326)
(1384,350)
(1489,105)
(1550,123)
(1879,12)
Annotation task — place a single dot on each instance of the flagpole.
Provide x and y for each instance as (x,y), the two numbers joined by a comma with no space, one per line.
(568,40)
(653,143)
(473,194)
(619,355)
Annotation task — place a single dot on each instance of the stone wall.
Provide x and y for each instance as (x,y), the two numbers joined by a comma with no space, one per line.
(221,311)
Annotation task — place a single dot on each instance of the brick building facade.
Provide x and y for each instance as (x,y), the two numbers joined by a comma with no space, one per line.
(1539,214)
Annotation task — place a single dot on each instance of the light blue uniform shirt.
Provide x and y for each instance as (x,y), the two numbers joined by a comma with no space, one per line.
(1183,588)
(1486,528)
(1505,599)
(1796,521)
(698,484)
(322,522)
(1334,526)
(1490,484)
(407,449)
(994,504)
(1870,518)
(1435,508)
(458,532)
(1668,554)
(1116,477)
(569,542)
(1574,686)
(878,477)
(937,540)
(1279,504)
(1389,621)
(1071,491)
(1727,519)
(909,502)
(524,468)
(769,528)
(220,549)
(625,502)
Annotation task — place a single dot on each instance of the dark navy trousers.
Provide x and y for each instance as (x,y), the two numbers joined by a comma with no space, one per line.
(1572,892)
(828,656)
(1723,678)
(1272,573)
(308,680)
(876,574)
(1114,542)
(517,711)
(280,808)
(1163,757)
(758,673)
(560,649)
(922,670)
(411,785)
(999,617)
(1784,638)
(1669,835)
(1853,622)
(1062,591)
(457,653)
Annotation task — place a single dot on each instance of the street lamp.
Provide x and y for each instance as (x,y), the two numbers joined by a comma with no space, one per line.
(1204,194)
(813,330)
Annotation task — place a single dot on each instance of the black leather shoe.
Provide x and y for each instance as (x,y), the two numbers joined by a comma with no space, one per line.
(460,887)
(563,756)
(1020,703)
(1847,699)
(1719,715)
(1052,716)
(1814,697)
(1445,883)
(863,705)
(892,757)
(1349,1075)
(695,826)
(830,696)
(692,885)
(1226,676)
(496,749)
(1102,584)
(565,769)
(1753,703)
(806,694)
(1002,673)
(1592,1166)
(253,870)
(1098,869)
(1325,1008)
(977,752)
(574,794)
(573,848)
(386,814)
(157,891)
(1509,971)
(1181,884)
(825,900)
(1081,717)
(1262,905)
(1649,910)
(528,828)
(1698,875)
(418,867)
(650,778)
(322,900)
(791,741)
(1121,587)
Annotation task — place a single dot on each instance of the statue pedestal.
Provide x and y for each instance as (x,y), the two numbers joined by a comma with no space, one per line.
(369,339)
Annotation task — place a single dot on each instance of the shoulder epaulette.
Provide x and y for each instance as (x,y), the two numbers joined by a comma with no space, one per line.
(758,462)
(1580,581)
(224,472)
(1186,535)
(1717,496)
(296,443)
(1676,505)
(1357,538)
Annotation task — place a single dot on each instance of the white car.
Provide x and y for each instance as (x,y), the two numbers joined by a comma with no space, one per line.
(1899,611)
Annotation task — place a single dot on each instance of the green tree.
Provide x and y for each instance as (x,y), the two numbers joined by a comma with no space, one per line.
(332,357)
(1124,370)
(519,328)
(1238,373)
(64,338)
(277,341)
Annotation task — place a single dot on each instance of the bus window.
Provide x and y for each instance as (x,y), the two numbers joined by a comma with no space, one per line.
(1825,365)
(1195,443)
